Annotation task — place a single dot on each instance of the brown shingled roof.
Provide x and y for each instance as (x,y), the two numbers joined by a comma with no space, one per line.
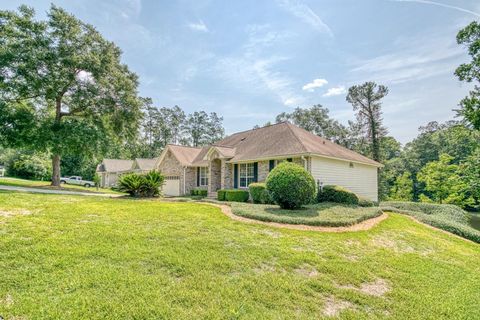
(146,164)
(115,165)
(278,140)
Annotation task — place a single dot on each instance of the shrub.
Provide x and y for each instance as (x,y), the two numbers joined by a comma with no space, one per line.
(290,185)
(259,193)
(199,192)
(30,166)
(337,194)
(362,202)
(443,216)
(221,195)
(141,185)
(237,195)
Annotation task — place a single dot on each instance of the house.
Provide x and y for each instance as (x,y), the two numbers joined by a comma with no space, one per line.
(143,165)
(249,156)
(110,169)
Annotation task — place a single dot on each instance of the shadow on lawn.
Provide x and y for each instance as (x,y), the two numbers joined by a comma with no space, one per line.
(309,211)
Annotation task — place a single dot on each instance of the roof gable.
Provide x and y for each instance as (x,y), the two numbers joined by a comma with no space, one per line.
(115,165)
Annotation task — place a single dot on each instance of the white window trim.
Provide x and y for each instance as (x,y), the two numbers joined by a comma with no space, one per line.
(247,177)
(203,174)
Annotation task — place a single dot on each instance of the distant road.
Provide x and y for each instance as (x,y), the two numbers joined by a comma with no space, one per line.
(39,190)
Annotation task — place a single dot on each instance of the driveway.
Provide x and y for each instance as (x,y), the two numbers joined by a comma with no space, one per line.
(38,190)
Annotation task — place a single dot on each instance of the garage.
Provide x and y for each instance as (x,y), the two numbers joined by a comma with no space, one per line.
(171,186)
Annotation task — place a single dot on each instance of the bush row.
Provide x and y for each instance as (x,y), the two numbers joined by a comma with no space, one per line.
(199,192)
(336,194)
(234,195)
(443,216)
(259,193)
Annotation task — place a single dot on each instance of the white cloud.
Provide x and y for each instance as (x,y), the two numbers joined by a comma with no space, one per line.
(305,13)
(198,26)
(439,4)
(335,91)
(316,83)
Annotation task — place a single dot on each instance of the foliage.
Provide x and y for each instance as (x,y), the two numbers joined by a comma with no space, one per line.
(290,185)
(79,165)
(362,202)
(64,89)
(259,193)
(236,195)
(366,100)
(221,194)
(320,214)
(336,194)
(141,184)
(447,217)
(470,106)
(443,183)
(402,189)
(199,192)
(470,172)
(202,129)
(34,166)
(317,121)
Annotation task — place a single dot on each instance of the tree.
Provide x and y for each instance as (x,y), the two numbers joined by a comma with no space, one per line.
(402,189)
(202,129)
(366,100)
(470,106)
(63,89)
(443,182)
(316,120)
(470,172)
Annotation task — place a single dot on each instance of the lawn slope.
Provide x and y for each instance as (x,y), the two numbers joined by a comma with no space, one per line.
(72,257)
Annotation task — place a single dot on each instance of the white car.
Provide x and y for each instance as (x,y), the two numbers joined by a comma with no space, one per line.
(78,181)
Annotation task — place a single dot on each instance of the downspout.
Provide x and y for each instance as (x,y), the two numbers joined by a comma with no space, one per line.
(305,166)
(184,178)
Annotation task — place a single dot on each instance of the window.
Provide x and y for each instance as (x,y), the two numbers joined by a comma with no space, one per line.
(247,174)
(203,176)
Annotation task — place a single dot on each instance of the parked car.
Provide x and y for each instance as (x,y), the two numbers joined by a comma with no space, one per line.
(78,181)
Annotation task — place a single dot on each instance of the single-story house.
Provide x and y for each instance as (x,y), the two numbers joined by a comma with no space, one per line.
(249,156)
(110,169)
(144,165)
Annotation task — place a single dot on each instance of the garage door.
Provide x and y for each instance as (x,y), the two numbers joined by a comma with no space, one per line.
(171,186)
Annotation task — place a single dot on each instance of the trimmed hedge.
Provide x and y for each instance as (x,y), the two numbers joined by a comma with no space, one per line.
(199,192)
(443,216)
(362,202)
(259,193)
(291,186)
(221,195)
(236,195)
(336,194)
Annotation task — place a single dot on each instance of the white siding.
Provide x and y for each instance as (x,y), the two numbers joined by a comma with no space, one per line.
(361,179)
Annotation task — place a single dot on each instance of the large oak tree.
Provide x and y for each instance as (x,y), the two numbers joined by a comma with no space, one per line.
(63,88)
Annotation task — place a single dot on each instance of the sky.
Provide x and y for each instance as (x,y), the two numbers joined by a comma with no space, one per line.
(250,60)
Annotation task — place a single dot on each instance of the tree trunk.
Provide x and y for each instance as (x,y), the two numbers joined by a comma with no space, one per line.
(56,170)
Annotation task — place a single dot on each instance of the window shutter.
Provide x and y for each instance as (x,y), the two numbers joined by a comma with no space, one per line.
(271,165)
(255,171)
(289,159)
(198,176)
(235,176)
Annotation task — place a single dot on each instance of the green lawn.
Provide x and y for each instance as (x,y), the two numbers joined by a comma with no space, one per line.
(320,214)
(74,257)
(16,182)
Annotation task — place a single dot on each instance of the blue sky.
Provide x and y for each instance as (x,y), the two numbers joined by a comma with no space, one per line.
(250,60)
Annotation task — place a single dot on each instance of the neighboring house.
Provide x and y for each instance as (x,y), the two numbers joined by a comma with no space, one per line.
(2,171)
(144,165)
(110,169)
(249,156)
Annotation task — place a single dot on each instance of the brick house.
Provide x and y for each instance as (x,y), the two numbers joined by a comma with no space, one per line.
(248,156)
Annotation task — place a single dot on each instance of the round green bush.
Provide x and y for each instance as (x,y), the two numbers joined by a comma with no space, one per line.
(337,194)
(259,193)
(237,195)
(290,185)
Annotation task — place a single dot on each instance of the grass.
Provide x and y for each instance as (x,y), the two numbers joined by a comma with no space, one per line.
(321,214)
(73,257)
(444,216)
(16,182)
